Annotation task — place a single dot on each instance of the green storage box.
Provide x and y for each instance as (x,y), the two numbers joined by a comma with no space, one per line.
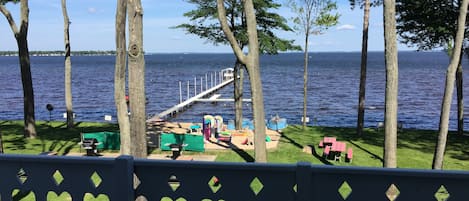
(107,140)
(193,142)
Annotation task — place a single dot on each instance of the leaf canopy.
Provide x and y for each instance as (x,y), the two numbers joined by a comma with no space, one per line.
(433,26)
(361,3)
(204,23)
(3,2)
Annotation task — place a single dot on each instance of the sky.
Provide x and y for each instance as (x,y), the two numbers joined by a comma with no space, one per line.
(93,28)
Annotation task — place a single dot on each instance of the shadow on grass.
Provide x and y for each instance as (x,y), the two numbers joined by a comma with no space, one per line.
(369,152)
(319,157)
(243,154)
(50,137)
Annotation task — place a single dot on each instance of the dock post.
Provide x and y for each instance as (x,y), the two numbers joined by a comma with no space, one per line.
(180,92)
(187,90)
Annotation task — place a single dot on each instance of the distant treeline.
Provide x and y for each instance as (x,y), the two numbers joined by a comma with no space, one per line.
(61,53)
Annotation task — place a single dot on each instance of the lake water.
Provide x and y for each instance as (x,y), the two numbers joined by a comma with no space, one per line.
(332,97)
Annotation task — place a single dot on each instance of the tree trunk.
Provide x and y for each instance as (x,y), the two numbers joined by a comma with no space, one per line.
(136,65)
(251,60)
(459,88)
(305,80)
(1,143)
(238,94)
(390,119)
(364,61)
(449,87)
(28,92)
(21,36)
(119,78)
(68,66)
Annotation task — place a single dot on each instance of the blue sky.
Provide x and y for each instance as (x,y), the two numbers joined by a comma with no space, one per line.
(92,28)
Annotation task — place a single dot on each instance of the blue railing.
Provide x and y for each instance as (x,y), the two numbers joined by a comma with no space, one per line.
(125,178)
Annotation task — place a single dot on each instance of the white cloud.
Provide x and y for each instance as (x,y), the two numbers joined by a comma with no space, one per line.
(91,10)
(346,27)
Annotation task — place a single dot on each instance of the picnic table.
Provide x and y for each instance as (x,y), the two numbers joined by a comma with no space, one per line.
(328,141)
(337,148)
(332,147)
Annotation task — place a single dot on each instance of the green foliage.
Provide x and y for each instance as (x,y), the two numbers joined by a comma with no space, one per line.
(3,2)
(204,23)
(373,3)
(433,26)
(314,16)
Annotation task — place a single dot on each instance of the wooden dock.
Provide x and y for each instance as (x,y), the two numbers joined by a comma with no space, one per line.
(187,103)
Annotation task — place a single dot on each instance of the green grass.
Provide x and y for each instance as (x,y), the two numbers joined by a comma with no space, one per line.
(51,137)
(415,147)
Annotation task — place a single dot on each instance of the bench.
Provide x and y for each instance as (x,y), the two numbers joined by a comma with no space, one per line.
(326,151)
(321,144)
(349,155)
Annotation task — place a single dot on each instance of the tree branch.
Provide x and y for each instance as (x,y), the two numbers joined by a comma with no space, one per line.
(10,19)
(229,34)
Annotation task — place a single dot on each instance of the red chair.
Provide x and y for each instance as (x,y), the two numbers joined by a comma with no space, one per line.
(321,144)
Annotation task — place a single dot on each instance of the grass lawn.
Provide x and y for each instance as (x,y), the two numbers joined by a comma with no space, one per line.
(415,147)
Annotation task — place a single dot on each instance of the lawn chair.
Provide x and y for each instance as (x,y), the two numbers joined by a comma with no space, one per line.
(89,144)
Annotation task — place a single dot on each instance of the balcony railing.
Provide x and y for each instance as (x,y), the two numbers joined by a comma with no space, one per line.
(125,178)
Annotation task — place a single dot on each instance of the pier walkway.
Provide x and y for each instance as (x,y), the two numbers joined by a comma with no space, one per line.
(225,77)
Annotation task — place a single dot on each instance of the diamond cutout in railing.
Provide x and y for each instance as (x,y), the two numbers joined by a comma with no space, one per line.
(96,179)
(256,186)
(214,184)
(345,190)
(174,183)
(58,178)
(442,194)
(295,188)
(393,192)
(22,176)
(136,181)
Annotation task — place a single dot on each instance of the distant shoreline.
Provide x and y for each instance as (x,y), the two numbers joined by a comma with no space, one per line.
(113,52)
(62,53)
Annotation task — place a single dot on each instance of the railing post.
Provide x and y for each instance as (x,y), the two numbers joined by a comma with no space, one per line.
(303,181)
(180,92)
(124,171)
(201,85)
(188,90)
(195,86)
(206,81)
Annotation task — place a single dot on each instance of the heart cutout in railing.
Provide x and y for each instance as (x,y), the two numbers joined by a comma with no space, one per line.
(52,196)
(91,197)
(170,199)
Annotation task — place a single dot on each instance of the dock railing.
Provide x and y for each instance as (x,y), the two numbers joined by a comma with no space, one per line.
(126,178)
